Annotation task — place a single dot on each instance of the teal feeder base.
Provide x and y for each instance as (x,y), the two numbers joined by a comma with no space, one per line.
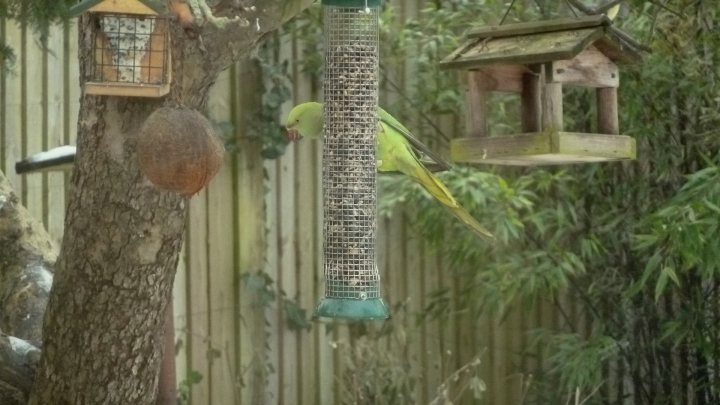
(352,309)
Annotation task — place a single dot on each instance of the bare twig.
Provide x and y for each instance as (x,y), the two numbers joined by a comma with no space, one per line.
(512,3)
(587,398)
(581,7)
(668,9)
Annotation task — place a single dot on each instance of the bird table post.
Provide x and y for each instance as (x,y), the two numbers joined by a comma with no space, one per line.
(352,280)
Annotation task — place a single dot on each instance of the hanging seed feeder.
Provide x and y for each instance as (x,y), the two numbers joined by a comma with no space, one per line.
(352,280)
(131,47)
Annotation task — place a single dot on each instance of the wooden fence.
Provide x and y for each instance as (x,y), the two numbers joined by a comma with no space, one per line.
(261,216)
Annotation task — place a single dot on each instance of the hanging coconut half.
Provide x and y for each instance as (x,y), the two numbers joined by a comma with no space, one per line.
(178,150)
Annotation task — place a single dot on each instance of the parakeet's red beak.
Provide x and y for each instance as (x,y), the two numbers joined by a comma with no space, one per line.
(292,134)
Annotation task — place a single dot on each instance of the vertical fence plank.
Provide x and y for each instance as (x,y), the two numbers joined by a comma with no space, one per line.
(287,277)
(272,263)
(413,332)
(44,126)
(197,239)
(221,269)
(324,340)
(34,88)
(431,328)
(499,365)
(251,240)
(465,343)
(71,101)
(13,128)
(307,361)
(484,334)
(71,72)
(251,237)
(447,323)
(513,355)
(180,305)
(308,225)
(222,289)
(307,267)
(395,260)
(54,197)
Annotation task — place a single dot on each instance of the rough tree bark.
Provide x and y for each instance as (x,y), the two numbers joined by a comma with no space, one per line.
(113,280)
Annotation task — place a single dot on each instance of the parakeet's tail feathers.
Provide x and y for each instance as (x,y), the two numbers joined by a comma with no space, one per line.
(470,221)
(437,189)
(433,185)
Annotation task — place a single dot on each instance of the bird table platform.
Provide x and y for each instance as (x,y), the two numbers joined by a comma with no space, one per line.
(131,55)
(535,60)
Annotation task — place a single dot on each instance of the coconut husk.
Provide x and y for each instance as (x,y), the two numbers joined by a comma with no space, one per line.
(178,150)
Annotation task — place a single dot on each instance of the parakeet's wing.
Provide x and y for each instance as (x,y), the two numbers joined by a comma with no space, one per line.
(390,121)
(395,153)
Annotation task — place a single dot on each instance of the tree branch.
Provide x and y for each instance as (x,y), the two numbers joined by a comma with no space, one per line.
(18,361)
(218,38)
(27,255)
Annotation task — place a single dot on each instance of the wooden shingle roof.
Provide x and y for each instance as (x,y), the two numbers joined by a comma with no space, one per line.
(543,41)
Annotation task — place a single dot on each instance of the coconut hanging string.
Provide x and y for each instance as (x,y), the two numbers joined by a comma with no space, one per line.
(352,289)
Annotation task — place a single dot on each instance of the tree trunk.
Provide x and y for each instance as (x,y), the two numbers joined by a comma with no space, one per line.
(105,319)
(167,386)
(104,322)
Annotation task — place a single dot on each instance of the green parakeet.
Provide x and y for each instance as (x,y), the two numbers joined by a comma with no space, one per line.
(396,151)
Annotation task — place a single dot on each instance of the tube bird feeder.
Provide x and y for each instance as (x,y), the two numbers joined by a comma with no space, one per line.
(349,175)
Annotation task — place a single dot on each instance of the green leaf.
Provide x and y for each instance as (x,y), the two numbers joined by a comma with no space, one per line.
(650,267)
(661,284)
(672,274)
(213,354)
(712,206)
(194,377)
(296,316)
(477,386)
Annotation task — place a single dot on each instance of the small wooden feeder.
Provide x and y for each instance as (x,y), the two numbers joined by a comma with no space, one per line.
(535,60)
(132,48)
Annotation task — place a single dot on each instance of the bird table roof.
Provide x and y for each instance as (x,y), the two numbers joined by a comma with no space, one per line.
(146,7)
(543,41)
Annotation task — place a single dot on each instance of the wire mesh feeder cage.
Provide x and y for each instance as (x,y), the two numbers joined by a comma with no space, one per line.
(131,51)
(352,280)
